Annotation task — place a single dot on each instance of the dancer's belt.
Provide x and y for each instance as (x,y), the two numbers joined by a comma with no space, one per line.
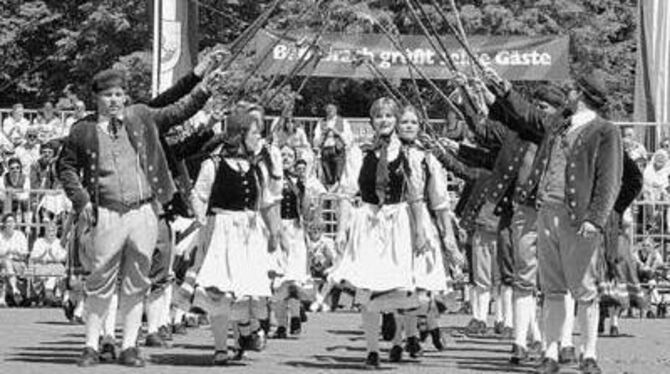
(118,206)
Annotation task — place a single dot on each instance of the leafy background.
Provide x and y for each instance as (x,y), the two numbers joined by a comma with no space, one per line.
(48,44)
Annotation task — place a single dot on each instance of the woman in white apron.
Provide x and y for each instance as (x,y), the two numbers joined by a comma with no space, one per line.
(242,187)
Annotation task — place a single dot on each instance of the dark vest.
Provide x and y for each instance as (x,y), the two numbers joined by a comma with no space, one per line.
(290,201)
(234,190)
(367,180)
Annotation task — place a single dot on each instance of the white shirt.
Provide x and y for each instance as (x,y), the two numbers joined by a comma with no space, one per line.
(10,124)
(321,126)
(48,252)
(17,244)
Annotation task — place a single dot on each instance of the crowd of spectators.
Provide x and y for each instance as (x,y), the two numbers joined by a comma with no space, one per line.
(33,205)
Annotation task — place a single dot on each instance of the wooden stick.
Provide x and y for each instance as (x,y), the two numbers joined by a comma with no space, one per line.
(445,54)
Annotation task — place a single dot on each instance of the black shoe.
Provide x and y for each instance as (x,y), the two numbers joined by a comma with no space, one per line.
(220,358)
(548,366)
(519,354)
(614,331)
(179,328)
(131,357)
(107,349)
(590,366)
(238,356)
(507,333)
(192,321)
(88,358)
(155,340)
(372,362)
(388,326)
(498,327)
(296,326)
(280,333)
(246,343)
(165,333)
(439,342)
(413,347)
(473,327)
(395,355)
(535,348)
(567,356)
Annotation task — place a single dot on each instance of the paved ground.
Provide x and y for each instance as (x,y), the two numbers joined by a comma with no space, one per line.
(40,341)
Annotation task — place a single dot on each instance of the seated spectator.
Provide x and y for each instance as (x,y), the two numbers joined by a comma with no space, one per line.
(16,123)
(656,177)
(29,151)
(665,145)
(43,177)
(47,260)
(13,254)
(634,148)
(78,114)
(15,186)
(48,123)
(649,260)
(69,99)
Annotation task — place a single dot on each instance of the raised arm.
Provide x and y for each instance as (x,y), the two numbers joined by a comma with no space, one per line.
(176,92)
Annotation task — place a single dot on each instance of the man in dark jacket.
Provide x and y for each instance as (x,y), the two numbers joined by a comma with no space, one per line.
(576,178)
(115,172)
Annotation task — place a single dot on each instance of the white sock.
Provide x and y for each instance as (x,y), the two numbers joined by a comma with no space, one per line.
(483,302)
(498,304)
(523,303)
(431,319)
(154,308)
(220,330)
(294,307)
(569,326)
(131,315)
(96,309)
(109,325)
(167,305)
(474,301)
(178,315)
(554,312)
(534,326)
(281,313)
(412,326)
(614,316)
(371,329)
(399,323)
(507,308)
(588,314)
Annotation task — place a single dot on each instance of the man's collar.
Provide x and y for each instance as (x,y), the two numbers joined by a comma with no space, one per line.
(583,117)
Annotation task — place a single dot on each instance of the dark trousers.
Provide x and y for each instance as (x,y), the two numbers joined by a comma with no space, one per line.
(332,164)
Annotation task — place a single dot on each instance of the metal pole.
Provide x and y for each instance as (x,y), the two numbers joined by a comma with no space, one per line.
(156,58)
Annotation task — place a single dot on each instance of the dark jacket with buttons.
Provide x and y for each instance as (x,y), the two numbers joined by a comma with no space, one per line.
(502,154)
(594,165)
(78,162)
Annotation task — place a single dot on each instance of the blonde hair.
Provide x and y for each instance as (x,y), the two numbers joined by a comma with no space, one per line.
(384,103)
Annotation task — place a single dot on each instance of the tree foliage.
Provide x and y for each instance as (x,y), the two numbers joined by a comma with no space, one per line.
(49,43)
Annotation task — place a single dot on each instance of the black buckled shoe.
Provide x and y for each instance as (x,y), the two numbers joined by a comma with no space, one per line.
(280,333)
(413,347)
(548,366)
(155,340)
(296,326)
(88,358)
(179,328)
(395,355)
(372,361)
(567,356)
(519,354)
(498,328)
(107,349)
(590,366)
(614,331)
(220,358)
(131,357)
(165,333)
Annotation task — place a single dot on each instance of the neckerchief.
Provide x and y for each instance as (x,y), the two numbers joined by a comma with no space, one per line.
(382,177)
